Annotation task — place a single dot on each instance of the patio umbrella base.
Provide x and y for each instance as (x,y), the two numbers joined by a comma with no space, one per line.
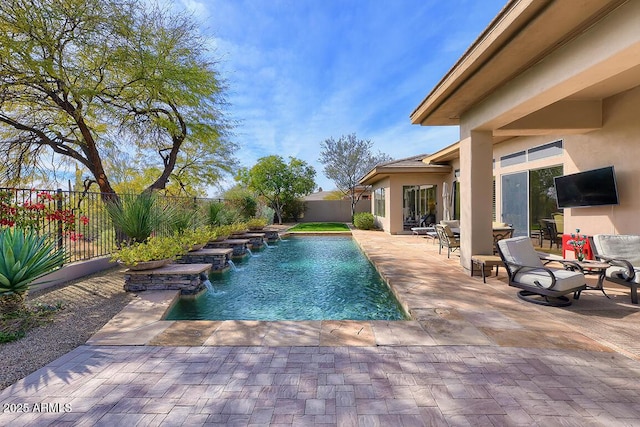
(532,297)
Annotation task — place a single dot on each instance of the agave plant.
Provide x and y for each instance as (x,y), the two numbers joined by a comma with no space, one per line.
(139,216)
(24,257)
(183,220)
(215,214)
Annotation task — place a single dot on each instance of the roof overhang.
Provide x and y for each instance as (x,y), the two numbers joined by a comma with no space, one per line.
(380,172)
(446,154)
(524,34)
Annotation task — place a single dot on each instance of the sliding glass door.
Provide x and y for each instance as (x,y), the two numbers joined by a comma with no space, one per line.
(528,197)
(515,202)
(419,205)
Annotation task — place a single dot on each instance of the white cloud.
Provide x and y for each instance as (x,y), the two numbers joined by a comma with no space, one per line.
(301,72)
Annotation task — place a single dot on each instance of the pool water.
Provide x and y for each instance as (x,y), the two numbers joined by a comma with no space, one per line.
(300,278)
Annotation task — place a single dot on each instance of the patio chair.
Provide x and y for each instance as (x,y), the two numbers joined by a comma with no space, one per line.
(500,234)
(559,220)
(539,284)
(551,232)
(447,239)
(622,252)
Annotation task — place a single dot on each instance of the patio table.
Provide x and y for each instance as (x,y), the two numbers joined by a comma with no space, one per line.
(594,268)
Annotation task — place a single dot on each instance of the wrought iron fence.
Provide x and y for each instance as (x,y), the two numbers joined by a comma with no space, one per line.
(77,220)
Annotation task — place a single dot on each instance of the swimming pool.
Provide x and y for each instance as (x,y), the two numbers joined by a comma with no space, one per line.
(299,278)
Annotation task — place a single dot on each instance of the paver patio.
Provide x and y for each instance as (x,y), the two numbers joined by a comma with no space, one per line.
(473,354)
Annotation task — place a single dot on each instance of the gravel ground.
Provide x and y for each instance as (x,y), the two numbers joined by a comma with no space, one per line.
(88,304)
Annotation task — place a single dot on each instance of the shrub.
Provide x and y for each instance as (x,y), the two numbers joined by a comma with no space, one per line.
(256,223)
(242,201)
(24,257)
(154,248)
(364,220)
(138,216)
(267,213)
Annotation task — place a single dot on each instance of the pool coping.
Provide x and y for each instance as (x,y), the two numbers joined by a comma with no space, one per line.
(447,307)
(142,322)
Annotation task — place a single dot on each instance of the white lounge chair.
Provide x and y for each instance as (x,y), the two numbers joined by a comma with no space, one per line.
(623,253)
(539,283)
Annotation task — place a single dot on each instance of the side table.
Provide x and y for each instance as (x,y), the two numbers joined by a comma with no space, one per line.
(485,261)
(595,267)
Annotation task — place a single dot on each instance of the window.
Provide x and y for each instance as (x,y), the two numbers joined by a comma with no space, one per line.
(456,200)
(542,196)
(527,197)
(379,202)
(419,205)
(513,159)
(551,149)
(547,150)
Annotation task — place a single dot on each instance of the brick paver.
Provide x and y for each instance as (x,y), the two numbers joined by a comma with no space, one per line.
(472,355)
(455,385)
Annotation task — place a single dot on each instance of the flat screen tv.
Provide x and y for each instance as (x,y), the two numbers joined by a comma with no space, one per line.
(595,187)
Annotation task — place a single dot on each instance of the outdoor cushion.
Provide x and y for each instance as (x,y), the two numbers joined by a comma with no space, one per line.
(565,279)
(617,272)
(619,246)
(454,223)
(520,251)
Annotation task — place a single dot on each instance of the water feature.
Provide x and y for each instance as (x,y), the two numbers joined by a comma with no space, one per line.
(232,265)
(303,278)
(207,284)
(249,252)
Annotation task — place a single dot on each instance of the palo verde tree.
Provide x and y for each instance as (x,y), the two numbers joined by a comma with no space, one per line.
(278,182)
(86,79)
(346,161)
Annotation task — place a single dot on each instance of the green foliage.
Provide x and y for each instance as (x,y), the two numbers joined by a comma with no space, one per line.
(15,325)
(266,213)
(319,227)
(196,236)
(183,219)
(256,223)
(242,201)
(138,216)
(334,195)
(24,257)
(85,78)
(218,213)
(11,336)
(364,220)
(155,248)
(238,227)
(278,182)
(293,209)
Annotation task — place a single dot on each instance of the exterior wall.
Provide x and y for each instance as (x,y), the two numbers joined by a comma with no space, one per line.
(394,216)
(513,146)
(381,222)
(332,210)
(615,144)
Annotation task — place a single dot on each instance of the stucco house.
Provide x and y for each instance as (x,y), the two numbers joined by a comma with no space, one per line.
(549,88)
(405,192)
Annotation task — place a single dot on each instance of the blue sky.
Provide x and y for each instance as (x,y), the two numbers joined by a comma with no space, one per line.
(301,71)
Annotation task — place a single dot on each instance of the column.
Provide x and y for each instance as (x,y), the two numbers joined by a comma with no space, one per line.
(476,192)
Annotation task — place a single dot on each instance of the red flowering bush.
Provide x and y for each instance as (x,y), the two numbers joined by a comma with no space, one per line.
(42,214)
